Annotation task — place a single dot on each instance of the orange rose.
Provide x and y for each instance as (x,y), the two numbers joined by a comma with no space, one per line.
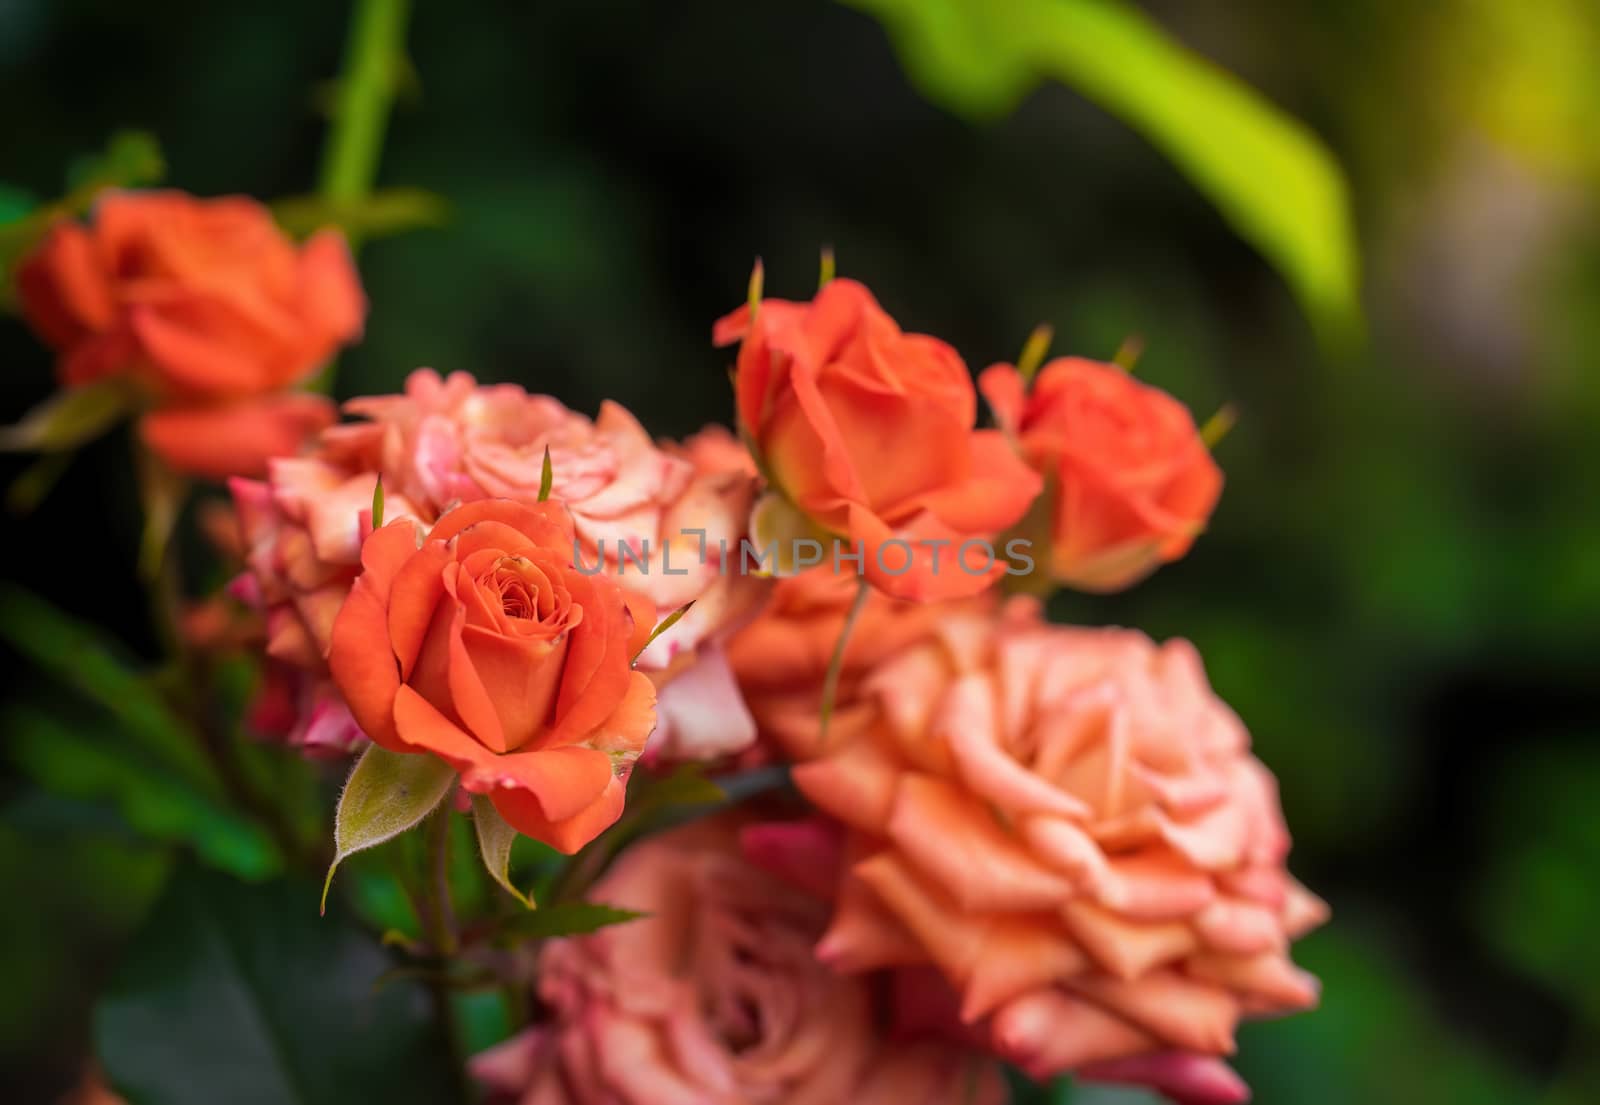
(482,644)
(1132,482)
(714,998)
(868,433)
(1069,825)
(204,306)
(657,518)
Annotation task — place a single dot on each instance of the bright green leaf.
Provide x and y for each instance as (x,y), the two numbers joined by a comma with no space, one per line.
(495,838)
(387,793)
(568,919)
(1267,173)
(68,418)
(239,994)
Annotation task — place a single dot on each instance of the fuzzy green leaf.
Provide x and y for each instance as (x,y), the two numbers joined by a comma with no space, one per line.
(387,793)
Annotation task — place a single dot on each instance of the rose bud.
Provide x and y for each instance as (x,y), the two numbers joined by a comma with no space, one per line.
(866,435)
(1130,481)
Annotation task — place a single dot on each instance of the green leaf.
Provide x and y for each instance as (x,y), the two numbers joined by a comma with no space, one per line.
(86,661)
(162,492)
(36,482)
(387,793)
(568,919)
(495,838)
(1267,173)
(240,994)
(377,503)
(15,203)
(686,786)
(382,214)
(663,625)
(68,418)
(81,760)
(547,476)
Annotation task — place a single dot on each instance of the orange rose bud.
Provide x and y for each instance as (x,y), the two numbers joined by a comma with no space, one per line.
(482,644)
(868,431)
(1131,482)
(202,305)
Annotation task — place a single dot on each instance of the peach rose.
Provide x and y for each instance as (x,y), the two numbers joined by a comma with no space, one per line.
(781,658)
(205,307)
(479,642)
(448,440)
(1069,825)
(715,999)
(633,504)
(1131,482)
(868,433)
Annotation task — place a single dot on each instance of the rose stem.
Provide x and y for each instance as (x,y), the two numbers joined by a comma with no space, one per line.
(440,920)
(374,55)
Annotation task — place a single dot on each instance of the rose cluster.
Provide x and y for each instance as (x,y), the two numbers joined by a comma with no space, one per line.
(1006,840)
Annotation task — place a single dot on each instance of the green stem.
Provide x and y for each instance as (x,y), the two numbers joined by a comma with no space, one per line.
(436,894)
(439,924)
(365,95)
(185,680)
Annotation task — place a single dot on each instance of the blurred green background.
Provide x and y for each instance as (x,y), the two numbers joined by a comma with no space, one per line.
(1400,592)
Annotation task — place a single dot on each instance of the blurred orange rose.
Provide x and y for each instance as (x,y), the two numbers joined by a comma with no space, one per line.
(714,998)
(204,306)
(1131,482)
(480,643)
(1070,826)
(868,433)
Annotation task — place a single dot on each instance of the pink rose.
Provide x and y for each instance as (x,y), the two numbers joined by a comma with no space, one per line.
(447,441)
(715,998)
(1069,825)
